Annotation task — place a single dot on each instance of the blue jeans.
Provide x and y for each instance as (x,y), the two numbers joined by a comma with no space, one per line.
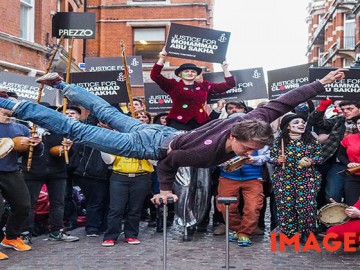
(132,138)
(335,181)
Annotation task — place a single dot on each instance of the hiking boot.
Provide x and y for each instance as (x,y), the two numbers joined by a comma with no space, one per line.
(220,229)
(61,236)
(132,241)
(233,237)
(244,241)
(108,243)
(3,256)
(49,79)
(16,244)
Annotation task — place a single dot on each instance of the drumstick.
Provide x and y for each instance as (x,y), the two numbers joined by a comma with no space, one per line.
(283,151)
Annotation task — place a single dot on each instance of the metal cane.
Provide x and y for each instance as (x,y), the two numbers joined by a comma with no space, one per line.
(165,214)
(227,201)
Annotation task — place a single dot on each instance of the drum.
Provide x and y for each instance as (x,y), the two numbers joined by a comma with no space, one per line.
(333,214)
(6,145)
(235,163)
(21,144)
(56,151)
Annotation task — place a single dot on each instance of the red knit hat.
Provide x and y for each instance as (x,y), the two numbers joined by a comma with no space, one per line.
(3,94)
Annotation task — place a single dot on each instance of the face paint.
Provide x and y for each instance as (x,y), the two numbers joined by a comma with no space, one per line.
(297,126)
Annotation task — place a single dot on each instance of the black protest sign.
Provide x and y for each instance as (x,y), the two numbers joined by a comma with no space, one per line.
(196,43)
(346,89)
(250,84)
(79,25)
(281,81)
(26,87)
(105,84)
(133,63)
(156,100)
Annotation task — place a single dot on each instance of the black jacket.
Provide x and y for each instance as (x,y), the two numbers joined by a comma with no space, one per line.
(47,166)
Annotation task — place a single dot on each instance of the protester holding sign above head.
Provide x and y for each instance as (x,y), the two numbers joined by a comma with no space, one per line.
(188,95)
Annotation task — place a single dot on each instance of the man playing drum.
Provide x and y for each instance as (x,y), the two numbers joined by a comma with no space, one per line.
(209,145)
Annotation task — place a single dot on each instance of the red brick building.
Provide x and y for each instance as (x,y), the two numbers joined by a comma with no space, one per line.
(143,25)
(334,37)
(25,35)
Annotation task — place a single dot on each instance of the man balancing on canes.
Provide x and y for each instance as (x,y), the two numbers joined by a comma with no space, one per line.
(209,145)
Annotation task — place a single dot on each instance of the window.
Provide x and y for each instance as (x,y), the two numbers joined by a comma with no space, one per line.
(349,31)
(27,19)
(148,42)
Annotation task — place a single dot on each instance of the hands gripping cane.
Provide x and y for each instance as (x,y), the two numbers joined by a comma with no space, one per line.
(33,129)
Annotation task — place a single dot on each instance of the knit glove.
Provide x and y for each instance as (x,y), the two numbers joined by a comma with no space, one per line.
(324,104)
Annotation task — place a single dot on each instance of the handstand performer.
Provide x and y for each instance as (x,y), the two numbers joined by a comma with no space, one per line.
(209,145)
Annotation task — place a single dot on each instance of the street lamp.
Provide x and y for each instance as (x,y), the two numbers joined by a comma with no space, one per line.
(356,63)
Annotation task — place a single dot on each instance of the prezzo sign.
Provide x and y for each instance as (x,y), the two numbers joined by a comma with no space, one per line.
(281,81)
(134,66)
(250,84)
(26,87)
(345,89)
(197,43)
(103,84)
(79,25)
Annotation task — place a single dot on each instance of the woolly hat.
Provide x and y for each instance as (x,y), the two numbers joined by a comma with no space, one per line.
(187,66)
(288,117)
(3,94)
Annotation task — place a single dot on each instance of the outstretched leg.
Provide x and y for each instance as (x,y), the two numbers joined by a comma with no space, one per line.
(117,143)
(105,112)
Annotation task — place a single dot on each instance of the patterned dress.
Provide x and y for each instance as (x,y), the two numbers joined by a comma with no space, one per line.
(296,188)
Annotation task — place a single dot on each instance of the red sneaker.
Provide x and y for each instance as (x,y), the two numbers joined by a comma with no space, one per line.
(132,241)
(108,243)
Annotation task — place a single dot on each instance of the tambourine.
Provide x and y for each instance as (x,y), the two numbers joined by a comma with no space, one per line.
(333,214)
(21,144)
(6,145)
(235,163)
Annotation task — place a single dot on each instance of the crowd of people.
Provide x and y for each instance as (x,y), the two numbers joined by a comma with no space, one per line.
(127,167)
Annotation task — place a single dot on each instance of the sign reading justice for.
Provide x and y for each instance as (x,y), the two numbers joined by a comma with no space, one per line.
(197,43)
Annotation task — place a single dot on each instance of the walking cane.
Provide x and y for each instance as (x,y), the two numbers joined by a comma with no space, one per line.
(165,214)
(227,201)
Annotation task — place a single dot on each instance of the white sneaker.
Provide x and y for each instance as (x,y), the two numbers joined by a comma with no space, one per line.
(62,237)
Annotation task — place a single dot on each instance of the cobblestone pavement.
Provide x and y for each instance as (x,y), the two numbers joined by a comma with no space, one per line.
(205,251)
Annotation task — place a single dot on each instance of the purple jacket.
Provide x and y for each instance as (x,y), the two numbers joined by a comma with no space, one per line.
(205,146)
(187,103)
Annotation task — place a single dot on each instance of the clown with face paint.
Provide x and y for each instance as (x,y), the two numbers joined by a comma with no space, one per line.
(188,95)
(296,181)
